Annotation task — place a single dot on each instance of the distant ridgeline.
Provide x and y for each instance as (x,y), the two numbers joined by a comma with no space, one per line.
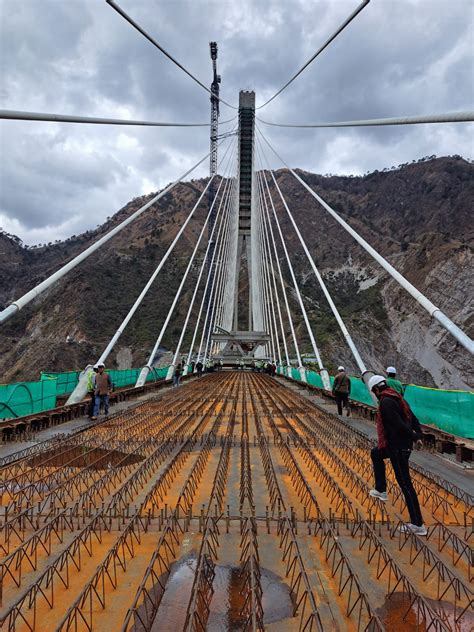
(452,411)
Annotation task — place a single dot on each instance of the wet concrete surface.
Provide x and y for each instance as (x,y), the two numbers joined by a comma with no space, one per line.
(227,600)
(400,614)
(83,456)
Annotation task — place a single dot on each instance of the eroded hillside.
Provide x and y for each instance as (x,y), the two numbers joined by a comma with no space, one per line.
(418,216)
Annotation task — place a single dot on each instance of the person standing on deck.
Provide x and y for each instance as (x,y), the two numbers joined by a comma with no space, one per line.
(177,375)
(341,390)
(91,391)
(392,381)
(103,386)
(397,429)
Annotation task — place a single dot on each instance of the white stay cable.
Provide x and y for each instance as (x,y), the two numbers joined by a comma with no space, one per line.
(211,279)
(295,282)
(17,115)
(12,309)
(222,312)
(79,392)
(136,26)
(272,268)
(219,221)
(345,332)
(148,367)
(228,308)
(228,311)
(222,225)
(270,294)
(260,322)
(274,257)
(221,285)
(287,305)
(218,294)
(451,117)
(221,307)
(271,298)
(346,22)
(432,309)
(213,298)
(262,264)
(268,324)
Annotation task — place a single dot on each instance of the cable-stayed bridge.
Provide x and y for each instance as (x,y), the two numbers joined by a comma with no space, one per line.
(237,501)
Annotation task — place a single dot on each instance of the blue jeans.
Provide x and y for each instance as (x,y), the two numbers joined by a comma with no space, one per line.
(101,399)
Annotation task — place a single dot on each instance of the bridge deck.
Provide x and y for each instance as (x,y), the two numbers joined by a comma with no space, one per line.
(232,502)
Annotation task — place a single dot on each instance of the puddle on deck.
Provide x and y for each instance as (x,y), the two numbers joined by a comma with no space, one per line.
(227,602)
(84,457)
(397,614)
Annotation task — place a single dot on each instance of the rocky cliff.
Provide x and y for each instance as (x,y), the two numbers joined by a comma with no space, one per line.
(419,216)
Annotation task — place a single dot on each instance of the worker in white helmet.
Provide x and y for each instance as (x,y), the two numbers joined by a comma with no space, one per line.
(397,429)
(393,382)
(341,389)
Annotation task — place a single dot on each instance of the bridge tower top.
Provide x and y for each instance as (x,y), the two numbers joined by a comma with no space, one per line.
(246,150)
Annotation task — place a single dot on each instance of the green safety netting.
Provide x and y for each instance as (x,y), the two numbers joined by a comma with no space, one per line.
(314,379)
(295,374)
(65,382)
(25,398)
(452,411)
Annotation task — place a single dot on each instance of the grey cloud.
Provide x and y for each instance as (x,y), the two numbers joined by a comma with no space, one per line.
(396,58)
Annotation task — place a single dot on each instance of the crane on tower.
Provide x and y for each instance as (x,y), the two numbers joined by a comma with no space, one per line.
(216,79)
(214,126)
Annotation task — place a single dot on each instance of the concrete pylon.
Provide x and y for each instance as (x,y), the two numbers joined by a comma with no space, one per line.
(246,161)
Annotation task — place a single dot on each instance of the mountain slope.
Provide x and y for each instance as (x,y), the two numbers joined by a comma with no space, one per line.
(418,216)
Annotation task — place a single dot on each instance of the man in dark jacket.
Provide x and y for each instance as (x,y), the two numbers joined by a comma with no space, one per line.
(177,375)
(397,429)
(103,386)
(341,390)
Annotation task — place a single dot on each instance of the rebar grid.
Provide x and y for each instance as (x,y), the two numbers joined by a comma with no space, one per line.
(252,610)
(347,580)
(119,502)
(447,582)
(388,569)
(201,593)
(460,550)
(307,457)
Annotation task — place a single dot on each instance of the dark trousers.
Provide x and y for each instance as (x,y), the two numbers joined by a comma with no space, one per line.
(399,460)
(90,410)
(342,401)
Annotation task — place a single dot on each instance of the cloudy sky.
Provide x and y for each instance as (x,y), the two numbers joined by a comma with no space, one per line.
(399,57)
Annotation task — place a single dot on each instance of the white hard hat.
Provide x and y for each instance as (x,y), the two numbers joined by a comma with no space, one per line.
(101,364)
(340,368)
(391,369)
(375,380)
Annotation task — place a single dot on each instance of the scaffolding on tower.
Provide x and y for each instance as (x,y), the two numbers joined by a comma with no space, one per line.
(213,163)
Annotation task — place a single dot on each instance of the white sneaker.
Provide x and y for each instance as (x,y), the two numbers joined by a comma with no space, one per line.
(380,495)
(413,528)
